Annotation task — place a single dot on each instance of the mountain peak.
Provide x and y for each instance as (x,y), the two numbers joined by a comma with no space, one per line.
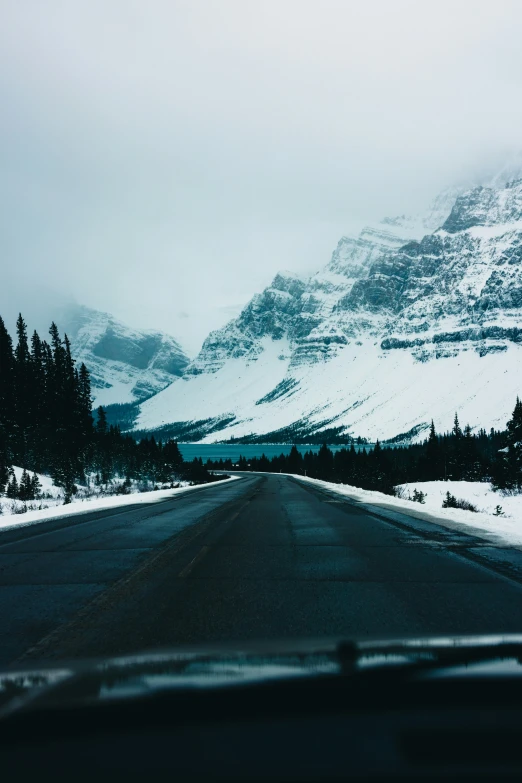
(486,206)
(126,364)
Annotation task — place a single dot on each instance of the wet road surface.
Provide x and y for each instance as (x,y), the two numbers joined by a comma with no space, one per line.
(261,558)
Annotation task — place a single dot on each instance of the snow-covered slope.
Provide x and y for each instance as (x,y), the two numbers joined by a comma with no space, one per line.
(412,320)
(126,365)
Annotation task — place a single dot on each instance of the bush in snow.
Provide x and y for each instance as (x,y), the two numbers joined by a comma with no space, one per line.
(419,496)
(450,501)
(125,488)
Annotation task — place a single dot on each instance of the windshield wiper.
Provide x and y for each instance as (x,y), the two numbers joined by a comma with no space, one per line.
(428,654)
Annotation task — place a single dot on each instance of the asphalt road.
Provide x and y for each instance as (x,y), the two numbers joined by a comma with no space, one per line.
(261,558)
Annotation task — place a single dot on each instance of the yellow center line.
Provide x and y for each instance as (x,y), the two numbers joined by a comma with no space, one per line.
(195,560)
(205,549)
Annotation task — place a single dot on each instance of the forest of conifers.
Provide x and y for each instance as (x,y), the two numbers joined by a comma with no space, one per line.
(47,423)
(459,455)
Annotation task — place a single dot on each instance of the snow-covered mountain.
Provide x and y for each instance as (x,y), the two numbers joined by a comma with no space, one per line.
(412,320)
(126,365)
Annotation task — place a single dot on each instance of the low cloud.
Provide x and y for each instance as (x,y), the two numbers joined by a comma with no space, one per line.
(166,154)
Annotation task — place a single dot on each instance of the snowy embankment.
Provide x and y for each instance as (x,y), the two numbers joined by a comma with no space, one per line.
(504,528)
(52,507)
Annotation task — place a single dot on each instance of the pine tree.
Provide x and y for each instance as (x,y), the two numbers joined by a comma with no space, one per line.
(507,467)
(171,461)
(295,461)
(67,481)
(23,392)
(47,428)
(101,424)
(25,490)
(325,463)
(456,458)
(433,466)
(55,362)
(380,475)
(12,487)
(103,441)
(36,486)
(4,476)
(514,425)
(7,402)
(38,407)
(472,468)
(456,427)
(84,405)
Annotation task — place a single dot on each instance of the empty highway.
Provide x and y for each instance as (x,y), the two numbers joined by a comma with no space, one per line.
(264,557)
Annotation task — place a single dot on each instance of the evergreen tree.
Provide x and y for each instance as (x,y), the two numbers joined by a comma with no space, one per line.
(4,476)
(25,490)
(295,461)
(12,487)
(433,456)
(456,428)
(102,458)
(380,475)
(514,425)
(325,463)
(171,461)
(36,486)
(67,482)
(38,412)
(472,468)
(507,467)
(456,456)
(84,405)
(23,391)
(55,361)
(7,402)
(101,424)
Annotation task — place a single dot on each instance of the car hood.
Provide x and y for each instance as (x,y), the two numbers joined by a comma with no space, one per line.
(146,674)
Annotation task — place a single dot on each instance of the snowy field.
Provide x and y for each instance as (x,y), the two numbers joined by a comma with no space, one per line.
(505,528)
(347,390)
(12,513)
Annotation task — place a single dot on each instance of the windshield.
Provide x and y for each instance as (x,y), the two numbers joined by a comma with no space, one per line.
(261,315)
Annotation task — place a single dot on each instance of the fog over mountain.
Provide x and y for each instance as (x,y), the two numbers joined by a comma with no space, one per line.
(162,161)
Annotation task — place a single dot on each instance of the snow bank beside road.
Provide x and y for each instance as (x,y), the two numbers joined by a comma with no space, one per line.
(505,530)
(94,504)
(51,497)
(479,493)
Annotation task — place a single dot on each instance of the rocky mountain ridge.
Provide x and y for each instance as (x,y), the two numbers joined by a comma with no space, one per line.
(410,320)
(126,365)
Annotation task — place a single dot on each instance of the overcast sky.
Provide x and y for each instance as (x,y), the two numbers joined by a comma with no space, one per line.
(162,160)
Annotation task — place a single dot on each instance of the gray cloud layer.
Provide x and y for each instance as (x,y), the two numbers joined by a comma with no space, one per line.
(163,160)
